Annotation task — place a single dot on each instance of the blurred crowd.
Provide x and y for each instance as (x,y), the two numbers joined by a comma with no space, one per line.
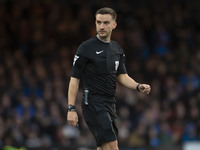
(38,40)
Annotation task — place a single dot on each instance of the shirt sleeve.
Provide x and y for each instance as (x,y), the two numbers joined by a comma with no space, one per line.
(122,68)
(79,63)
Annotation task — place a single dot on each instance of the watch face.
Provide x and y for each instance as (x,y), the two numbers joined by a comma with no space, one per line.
(71,107)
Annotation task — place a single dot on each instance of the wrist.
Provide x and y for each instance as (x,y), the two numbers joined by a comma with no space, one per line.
(71,108)
(137,87)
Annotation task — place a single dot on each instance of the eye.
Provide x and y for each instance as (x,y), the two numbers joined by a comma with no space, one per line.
(106,22)
(98,22)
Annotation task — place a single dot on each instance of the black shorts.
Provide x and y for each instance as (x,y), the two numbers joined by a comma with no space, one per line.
(100,116)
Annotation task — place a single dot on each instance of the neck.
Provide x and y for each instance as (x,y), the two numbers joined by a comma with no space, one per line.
(106,40)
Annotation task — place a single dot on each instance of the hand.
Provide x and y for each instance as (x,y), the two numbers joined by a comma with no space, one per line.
(144,88)
(72,118)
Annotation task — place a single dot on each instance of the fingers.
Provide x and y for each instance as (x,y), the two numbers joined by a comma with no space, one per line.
(145,88)
(72,118)
(72,123)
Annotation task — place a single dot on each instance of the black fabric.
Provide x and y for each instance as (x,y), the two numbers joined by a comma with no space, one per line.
(100,116)
(99,63)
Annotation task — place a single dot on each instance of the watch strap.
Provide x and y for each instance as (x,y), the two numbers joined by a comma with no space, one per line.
(71,108)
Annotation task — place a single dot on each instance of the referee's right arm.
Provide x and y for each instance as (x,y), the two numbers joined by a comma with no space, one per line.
(79,63)
(72,116)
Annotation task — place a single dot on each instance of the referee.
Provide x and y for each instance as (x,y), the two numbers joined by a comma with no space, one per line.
(101,62)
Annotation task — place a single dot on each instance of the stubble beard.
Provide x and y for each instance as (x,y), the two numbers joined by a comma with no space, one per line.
(105,36)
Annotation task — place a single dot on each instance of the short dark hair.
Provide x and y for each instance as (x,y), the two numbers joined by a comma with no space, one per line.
(107,10)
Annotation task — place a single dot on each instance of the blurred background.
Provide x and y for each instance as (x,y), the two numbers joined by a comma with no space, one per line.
(38,40)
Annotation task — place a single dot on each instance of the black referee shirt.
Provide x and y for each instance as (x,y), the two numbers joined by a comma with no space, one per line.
(100,63)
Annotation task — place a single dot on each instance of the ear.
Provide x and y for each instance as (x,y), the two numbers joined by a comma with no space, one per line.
(114,25)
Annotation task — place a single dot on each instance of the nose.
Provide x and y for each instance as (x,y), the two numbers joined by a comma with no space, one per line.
(101,26)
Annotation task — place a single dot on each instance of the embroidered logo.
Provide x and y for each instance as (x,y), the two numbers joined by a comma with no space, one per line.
(99,52)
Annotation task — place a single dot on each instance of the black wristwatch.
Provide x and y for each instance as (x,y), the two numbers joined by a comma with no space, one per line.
(71,108)
(137,87)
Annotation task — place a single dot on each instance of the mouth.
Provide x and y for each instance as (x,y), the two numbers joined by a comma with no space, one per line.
(102,32)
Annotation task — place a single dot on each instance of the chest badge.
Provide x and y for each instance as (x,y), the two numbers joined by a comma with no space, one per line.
(99,52)
(116,65)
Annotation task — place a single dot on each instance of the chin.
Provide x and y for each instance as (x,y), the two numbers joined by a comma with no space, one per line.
(103,35)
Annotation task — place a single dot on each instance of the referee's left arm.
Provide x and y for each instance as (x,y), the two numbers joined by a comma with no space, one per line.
(130,83)
(127,81)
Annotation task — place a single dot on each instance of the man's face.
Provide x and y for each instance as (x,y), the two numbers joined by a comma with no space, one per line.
(104,25)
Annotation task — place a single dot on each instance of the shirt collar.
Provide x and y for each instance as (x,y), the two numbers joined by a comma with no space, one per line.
(101,39)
